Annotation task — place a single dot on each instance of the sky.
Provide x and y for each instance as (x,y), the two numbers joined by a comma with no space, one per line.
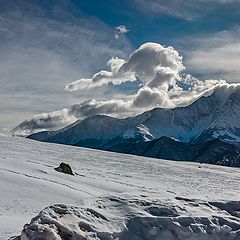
(61,60)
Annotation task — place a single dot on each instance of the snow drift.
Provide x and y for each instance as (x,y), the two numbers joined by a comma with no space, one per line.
(123,219)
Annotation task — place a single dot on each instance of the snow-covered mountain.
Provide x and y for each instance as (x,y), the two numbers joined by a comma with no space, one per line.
(133,135)
(112,196)
(226,124)
(215,116)
(99,128)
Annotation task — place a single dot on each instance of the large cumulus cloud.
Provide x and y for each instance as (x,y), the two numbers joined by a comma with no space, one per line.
(164,83)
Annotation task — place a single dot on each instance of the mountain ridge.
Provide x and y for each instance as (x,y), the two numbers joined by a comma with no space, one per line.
(212,117)
(182,123)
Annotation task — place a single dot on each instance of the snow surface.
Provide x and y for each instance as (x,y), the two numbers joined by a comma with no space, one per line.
(4,132)
(112,196)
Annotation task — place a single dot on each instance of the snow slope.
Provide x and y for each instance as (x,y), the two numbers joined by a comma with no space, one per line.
(112,196)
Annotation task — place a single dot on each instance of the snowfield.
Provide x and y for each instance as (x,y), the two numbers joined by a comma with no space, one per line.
(112,196)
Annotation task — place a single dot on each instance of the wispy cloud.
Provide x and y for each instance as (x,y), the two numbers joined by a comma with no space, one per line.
(43,47)
(215,55)
(188,10)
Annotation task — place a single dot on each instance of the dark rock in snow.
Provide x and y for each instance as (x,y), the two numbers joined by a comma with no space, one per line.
(64,168)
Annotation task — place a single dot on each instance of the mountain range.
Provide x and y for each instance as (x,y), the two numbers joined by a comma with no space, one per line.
(208,130)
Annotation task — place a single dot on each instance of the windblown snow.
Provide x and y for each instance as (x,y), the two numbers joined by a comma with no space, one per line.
(112,196)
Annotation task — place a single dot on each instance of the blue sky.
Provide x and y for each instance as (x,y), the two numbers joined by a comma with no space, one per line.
(147,24)
(46,44)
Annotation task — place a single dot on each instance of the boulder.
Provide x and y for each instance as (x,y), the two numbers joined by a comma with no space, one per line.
(64,168)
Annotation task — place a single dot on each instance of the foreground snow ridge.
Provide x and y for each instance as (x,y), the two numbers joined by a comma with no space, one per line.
(125,219)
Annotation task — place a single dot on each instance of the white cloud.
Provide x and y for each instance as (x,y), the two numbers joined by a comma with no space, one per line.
(103,78)
(120,30)
(45,121)
(143,61)
(142,64)
(163,84)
